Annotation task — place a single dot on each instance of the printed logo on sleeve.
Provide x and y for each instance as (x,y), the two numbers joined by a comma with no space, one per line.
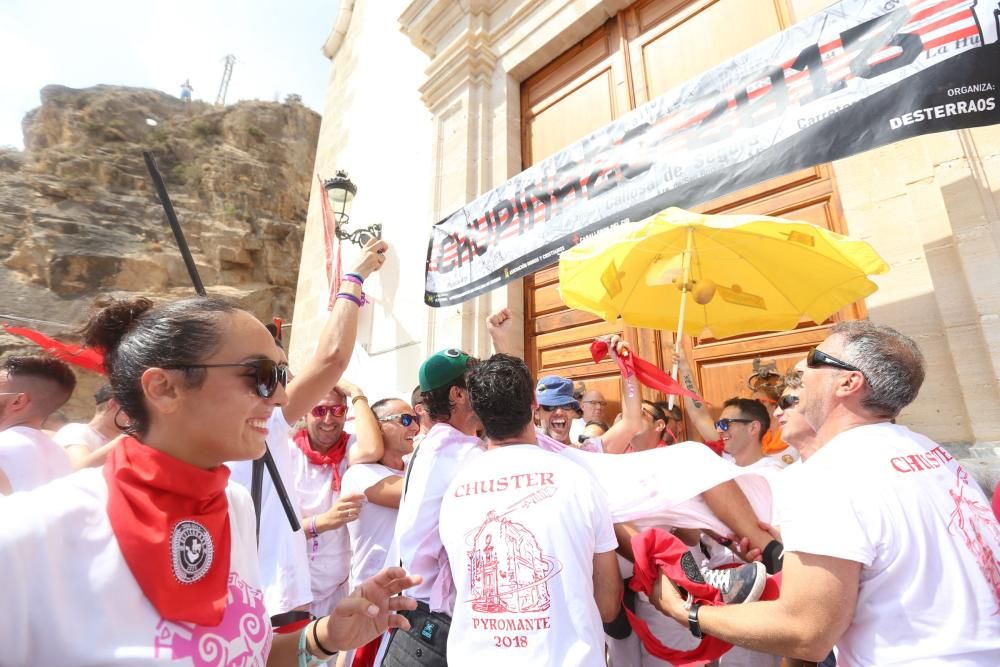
(191,551)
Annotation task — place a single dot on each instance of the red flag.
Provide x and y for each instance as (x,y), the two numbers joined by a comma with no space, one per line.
(648,373)
(332,246)
(84,357)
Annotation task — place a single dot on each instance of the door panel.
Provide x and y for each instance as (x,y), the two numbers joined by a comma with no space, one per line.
(642,52)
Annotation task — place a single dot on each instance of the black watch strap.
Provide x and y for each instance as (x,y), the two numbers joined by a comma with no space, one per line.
(693,624)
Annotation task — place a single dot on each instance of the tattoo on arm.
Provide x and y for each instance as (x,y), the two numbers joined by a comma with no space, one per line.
(689,385)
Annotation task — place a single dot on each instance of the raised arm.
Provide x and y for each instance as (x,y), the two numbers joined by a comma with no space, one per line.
(369,447)
(697,412)
(336,343)
(618,436)
(500,326)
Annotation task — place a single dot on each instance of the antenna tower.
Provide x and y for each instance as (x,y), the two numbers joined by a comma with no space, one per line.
(227,74)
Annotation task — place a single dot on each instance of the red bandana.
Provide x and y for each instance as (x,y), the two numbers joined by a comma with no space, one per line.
(333,457)
(171,520)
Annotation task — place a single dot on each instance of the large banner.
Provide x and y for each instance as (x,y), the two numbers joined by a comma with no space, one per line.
(861,74)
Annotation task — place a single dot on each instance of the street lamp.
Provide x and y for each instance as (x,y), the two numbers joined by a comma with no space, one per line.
(340,191)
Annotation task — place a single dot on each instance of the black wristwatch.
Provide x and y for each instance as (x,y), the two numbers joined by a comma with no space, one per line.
(693,624)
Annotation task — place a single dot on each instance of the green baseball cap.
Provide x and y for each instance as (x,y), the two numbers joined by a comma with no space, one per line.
(441,368)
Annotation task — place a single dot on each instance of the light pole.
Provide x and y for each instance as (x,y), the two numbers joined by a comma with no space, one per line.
(340,191)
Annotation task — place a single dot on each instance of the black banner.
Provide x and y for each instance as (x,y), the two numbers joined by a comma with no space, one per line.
(859,75)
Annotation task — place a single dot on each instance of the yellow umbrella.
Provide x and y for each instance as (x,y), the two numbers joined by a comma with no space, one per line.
(728,274)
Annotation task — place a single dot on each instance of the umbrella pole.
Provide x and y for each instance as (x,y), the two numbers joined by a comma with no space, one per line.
(686,278)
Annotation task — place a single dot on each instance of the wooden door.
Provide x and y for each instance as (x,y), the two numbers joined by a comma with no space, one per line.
(640,54)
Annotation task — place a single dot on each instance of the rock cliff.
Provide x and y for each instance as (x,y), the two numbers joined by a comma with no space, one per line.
(79,216)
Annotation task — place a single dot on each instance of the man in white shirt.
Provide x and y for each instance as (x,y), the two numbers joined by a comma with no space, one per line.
(741,427)
(85,444)
(382,486)
(31,388)
(450,444)
(321,453)
(891,552)
(529,540)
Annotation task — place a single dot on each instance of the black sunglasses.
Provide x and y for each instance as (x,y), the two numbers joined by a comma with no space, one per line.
(788,401)
(404,418)
(564,406)
(268,374)
(723,424)
(818,357)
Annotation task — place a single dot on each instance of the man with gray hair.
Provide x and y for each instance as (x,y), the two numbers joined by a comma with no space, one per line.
(891,551)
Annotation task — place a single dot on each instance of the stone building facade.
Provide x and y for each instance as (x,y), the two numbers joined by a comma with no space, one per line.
(424,108)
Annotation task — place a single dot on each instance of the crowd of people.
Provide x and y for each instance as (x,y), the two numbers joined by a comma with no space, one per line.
(487,517)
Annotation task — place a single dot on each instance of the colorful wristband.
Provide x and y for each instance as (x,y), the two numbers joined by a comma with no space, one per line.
(311,527)
(354,278)
(351,297)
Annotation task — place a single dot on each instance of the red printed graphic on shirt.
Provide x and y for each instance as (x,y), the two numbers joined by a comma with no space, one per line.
(969,519)
(508,570)
(243,639)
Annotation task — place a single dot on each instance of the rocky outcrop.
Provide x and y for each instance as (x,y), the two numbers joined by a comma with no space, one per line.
(79,216)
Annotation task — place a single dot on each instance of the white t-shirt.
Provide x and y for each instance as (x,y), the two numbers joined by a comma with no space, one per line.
(80,434)
(441,454)
(521,527)
(329,555)
(923,531)
(371,533)
(284,567)
(29,458)
(69,597)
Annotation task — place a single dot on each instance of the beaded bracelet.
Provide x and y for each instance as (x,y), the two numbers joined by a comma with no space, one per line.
(351,297)
(354,278)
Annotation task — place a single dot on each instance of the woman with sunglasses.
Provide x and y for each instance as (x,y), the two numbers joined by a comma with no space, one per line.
(153,558)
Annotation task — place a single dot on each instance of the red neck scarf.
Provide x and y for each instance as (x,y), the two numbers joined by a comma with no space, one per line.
(333,457)
(171,520)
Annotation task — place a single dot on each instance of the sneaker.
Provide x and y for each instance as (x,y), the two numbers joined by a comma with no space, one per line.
(738,584)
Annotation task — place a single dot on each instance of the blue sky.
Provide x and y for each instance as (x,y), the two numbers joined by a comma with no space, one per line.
(160,44)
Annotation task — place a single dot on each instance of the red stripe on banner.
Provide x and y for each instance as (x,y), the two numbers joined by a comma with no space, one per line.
(935,9)
(953,37)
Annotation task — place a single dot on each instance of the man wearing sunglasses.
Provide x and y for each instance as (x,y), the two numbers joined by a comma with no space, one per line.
(741,427)
(890,549)
(381,484)
(557,408)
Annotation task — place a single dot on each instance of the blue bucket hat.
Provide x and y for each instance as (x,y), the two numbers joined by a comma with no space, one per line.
(553,391)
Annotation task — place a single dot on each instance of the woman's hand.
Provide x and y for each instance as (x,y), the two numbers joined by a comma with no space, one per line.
(368,611)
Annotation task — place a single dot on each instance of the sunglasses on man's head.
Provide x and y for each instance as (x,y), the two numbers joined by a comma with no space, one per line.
(268,374)
(404,418)
(723,424)
(788,401)
(818,357)
(564,406)
(321,411)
